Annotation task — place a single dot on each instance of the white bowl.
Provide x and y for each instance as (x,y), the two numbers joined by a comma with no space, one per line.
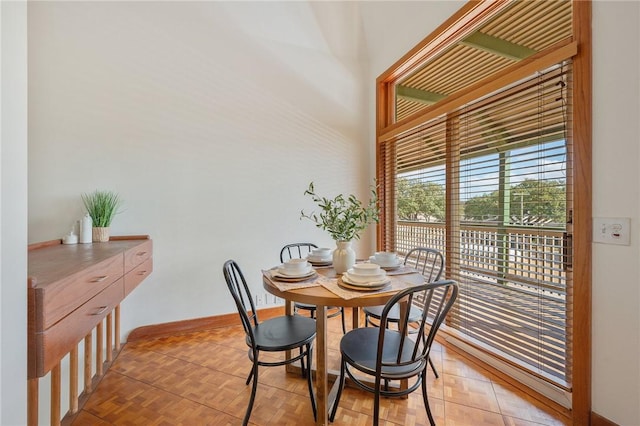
(302,273)
(295,266)
(395,262)
(385,257)
(360,279)
(351,275)
(321,252)
(366,269)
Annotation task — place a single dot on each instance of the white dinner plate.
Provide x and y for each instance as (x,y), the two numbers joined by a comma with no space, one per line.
(318,259)
(342,283)
(324,262)
(360,278)
(281,272)
(370,284)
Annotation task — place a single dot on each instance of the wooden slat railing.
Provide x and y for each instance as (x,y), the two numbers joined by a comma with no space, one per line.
(512,290)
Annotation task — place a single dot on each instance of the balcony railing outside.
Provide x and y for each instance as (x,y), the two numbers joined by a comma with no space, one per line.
(512,290)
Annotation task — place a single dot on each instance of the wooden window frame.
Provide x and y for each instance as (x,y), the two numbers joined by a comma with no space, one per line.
(464,21)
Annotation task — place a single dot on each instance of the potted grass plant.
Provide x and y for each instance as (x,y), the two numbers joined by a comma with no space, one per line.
(344,218)
(102,206)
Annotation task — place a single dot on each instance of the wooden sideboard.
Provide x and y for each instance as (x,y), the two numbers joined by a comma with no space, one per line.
(72,290)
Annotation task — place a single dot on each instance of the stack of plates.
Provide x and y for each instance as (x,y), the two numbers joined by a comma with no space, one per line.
(388,266)
(319,260)
(283,275)
(365,276)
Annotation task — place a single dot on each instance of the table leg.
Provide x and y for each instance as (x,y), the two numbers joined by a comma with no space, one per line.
(355,317)
(321,366)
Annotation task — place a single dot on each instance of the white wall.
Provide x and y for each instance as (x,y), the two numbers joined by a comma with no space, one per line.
(13,214)
(208,118)
(153,100)
(616,175)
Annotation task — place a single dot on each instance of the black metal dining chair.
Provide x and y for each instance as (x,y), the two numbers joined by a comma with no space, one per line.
(300,251)
(284,333)
(388,355)
(427,261)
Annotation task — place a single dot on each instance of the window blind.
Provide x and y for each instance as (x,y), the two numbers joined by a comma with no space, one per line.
(513,204)
(508,154)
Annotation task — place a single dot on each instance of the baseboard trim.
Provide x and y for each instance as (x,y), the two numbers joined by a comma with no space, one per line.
(155,331)
(598,420)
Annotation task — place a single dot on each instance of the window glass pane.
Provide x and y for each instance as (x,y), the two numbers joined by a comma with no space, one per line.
(511,188)
(513,202)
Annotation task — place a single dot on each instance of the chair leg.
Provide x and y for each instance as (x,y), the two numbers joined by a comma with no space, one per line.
(425,398)
(312,395)
(433,368)
(254,388)
(332,416)
(376,401)
(302,363)
(344,327)
(249,377)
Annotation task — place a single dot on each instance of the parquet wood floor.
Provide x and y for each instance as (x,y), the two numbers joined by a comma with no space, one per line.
(199,379)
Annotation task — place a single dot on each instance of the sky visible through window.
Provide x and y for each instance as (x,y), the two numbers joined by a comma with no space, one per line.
(480,175)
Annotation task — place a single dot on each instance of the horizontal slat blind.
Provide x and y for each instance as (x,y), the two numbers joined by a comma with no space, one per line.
(513,204)
(420,188)
(514,194)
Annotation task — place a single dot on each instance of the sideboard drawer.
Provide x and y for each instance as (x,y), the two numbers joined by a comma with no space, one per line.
(56,341)
(135,276)
(137,255)
(59,298)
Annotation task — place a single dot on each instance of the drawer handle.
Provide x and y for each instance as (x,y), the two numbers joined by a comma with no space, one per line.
(142,273)
(101,311)
(141,253)
(100,279)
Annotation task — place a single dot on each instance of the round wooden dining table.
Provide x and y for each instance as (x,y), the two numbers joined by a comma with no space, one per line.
(321,297)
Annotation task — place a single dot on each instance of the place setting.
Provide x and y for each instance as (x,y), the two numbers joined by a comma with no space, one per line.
(293,270)
(391,263)
(320,257)
(388,261)
(364,277)
(293,274)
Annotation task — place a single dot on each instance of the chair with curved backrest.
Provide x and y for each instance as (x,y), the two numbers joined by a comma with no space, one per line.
(284,333)
(398,355)
(300,251)
(429,263)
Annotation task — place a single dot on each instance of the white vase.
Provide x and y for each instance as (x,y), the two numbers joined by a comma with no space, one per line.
(343,257)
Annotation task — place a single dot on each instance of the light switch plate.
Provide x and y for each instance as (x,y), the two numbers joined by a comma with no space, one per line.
(612,230)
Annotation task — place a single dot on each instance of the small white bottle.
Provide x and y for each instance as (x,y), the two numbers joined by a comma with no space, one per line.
(85,229)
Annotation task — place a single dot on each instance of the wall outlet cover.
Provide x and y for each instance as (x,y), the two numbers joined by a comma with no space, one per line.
(612,230)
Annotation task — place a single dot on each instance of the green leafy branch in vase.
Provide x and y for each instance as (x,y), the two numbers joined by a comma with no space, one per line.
(344,218)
